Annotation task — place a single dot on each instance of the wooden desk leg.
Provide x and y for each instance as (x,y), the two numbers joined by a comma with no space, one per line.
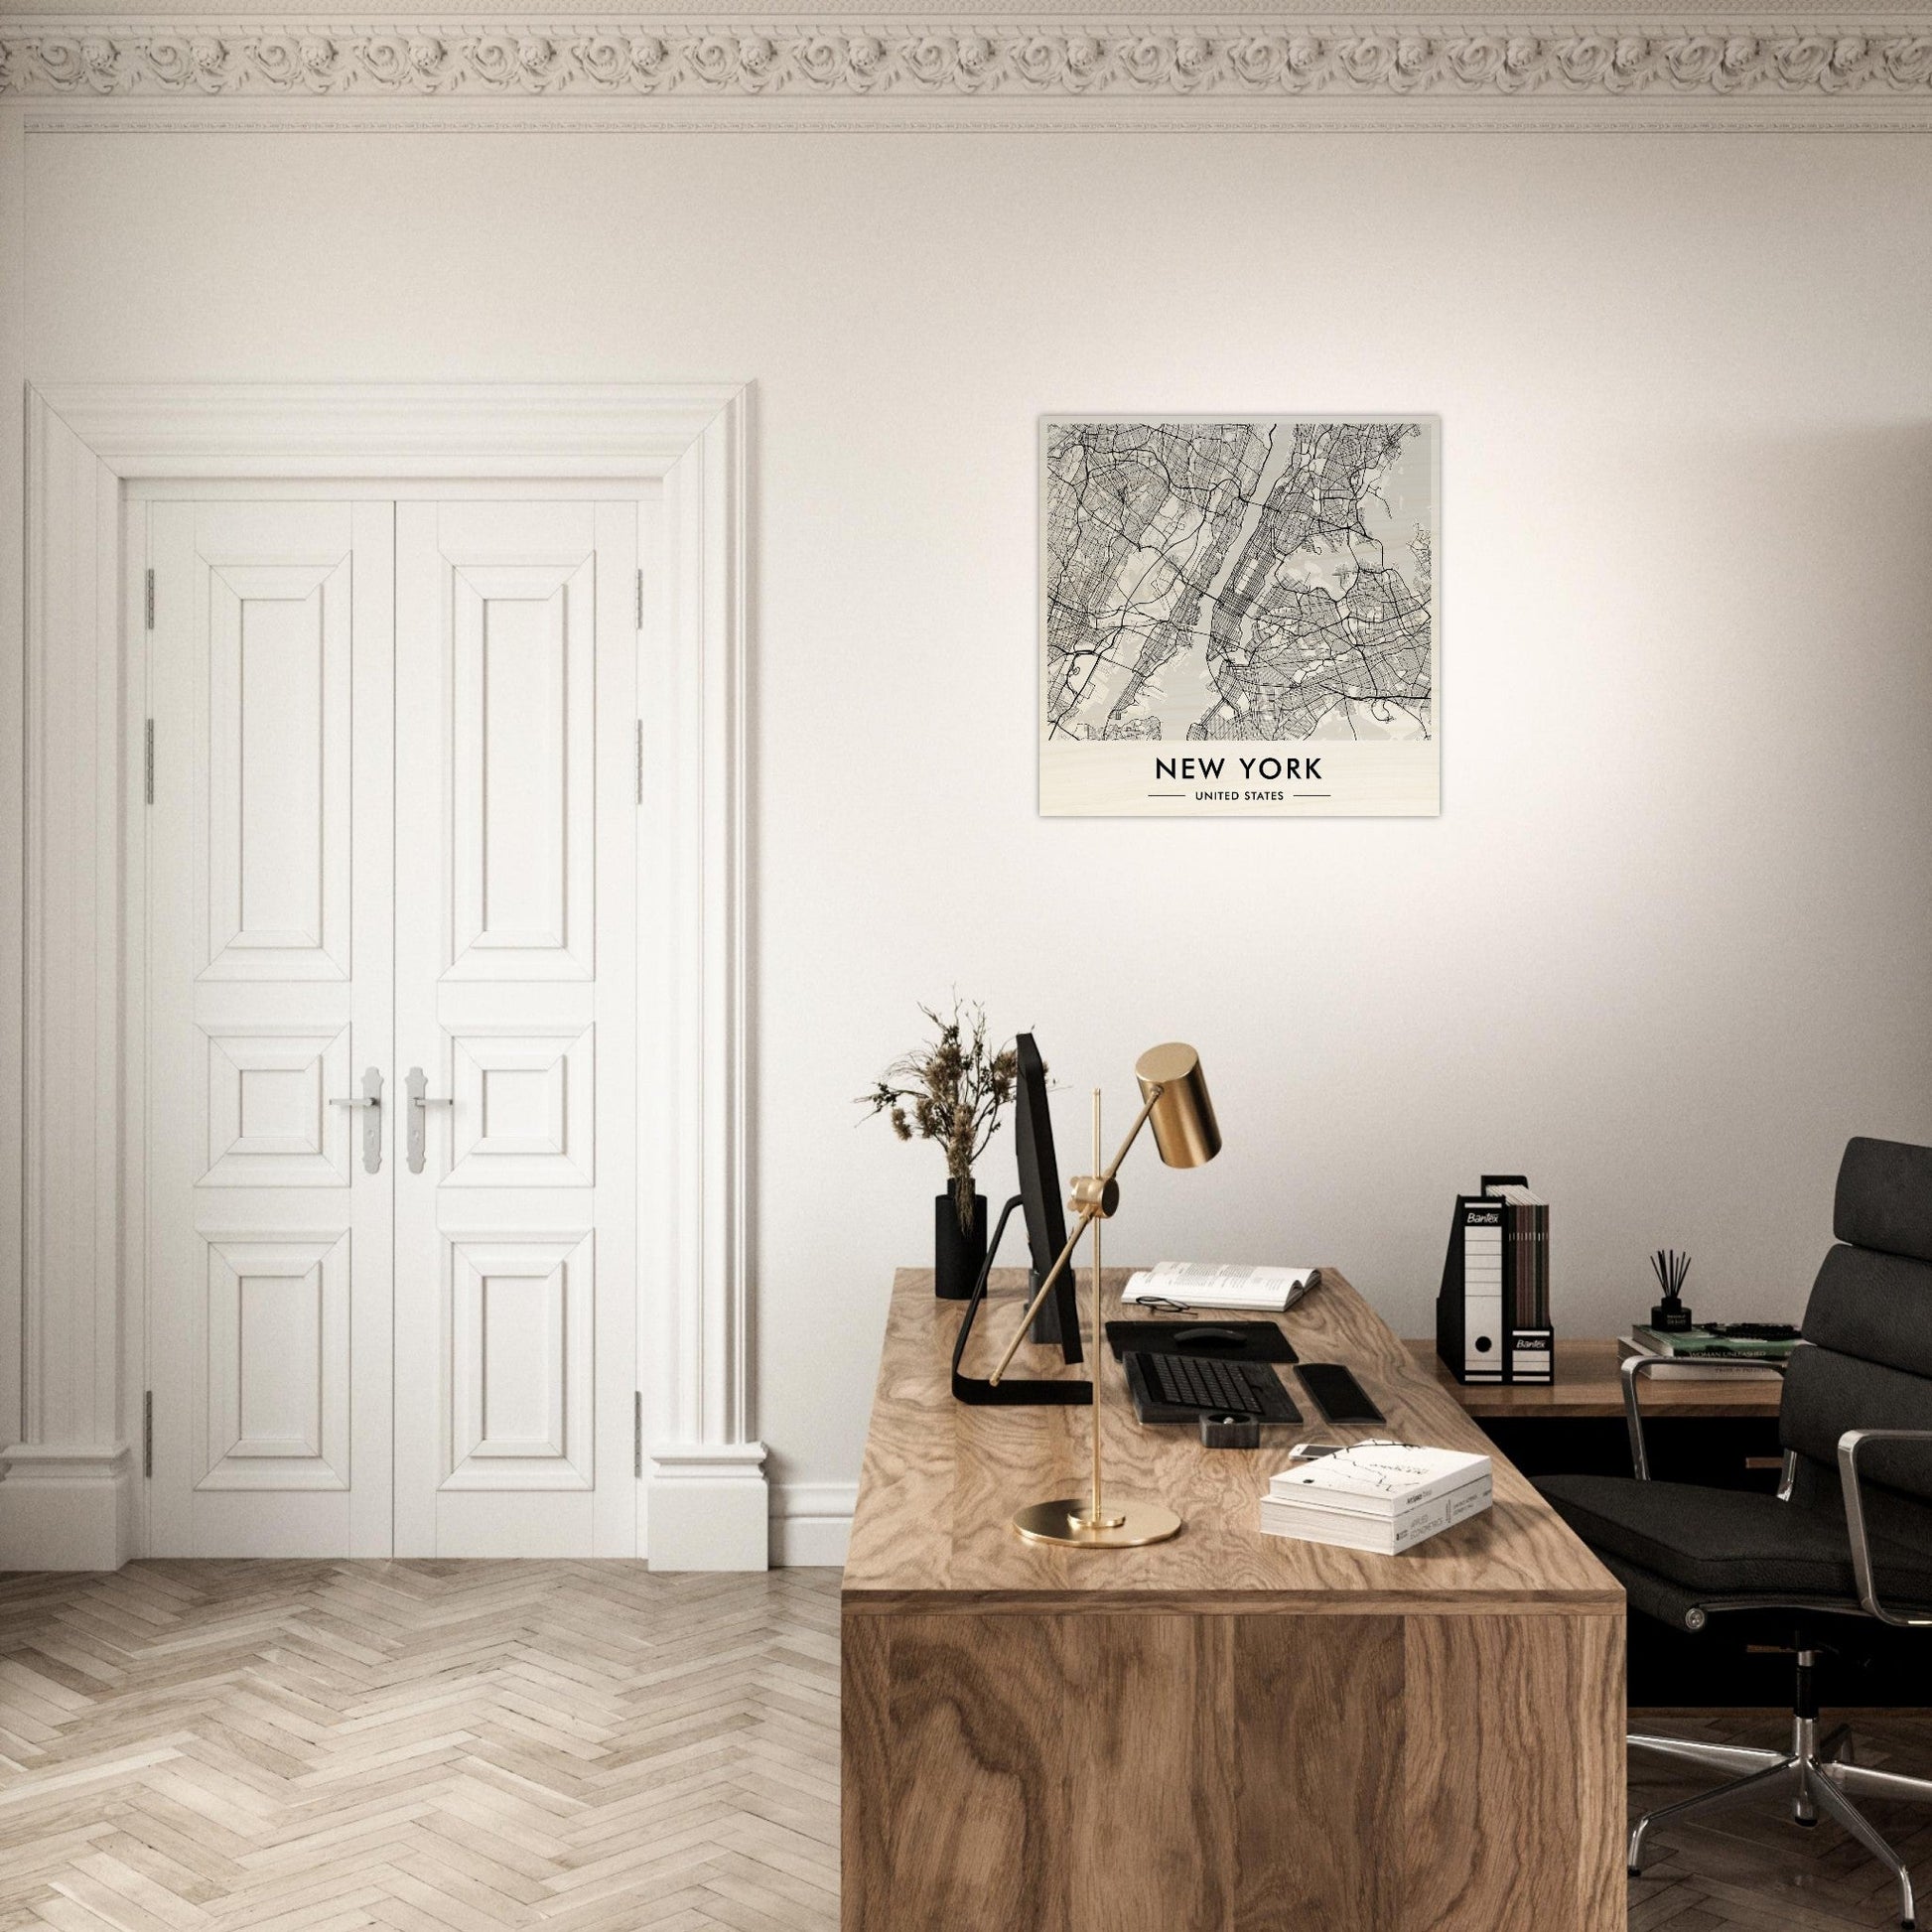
(1170,1772)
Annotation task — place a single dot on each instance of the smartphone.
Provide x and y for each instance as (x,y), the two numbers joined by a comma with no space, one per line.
(1338,1394)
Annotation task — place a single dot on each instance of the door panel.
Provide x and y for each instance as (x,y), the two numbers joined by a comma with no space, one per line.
(525,1107)
(522,763)
(278,781)
(270,990)
(515,981)
(522,1331)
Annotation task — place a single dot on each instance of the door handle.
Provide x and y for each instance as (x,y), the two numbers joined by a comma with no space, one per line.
(420,1102)
(371,1099)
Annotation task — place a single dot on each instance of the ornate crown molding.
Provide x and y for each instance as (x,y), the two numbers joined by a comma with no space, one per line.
(1175,62)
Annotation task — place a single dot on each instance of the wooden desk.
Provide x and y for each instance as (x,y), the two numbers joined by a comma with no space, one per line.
(1227,1732)
(1587,1386)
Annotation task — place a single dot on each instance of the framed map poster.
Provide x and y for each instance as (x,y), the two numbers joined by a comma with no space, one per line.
(1238,617)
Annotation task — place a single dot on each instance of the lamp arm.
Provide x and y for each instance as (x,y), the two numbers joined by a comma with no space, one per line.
(1088,1215)
(1133,1134)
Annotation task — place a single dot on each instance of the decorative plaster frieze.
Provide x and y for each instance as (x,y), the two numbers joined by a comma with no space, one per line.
(1021,59)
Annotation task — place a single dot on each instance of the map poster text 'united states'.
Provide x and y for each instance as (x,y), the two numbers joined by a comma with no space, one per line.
(1238,616)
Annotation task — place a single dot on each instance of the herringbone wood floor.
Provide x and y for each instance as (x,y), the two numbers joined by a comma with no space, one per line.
(1754,1869)
(321,1746)
(457,1747)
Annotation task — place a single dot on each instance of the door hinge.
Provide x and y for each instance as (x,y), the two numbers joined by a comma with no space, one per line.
(147,1434)
(150,599)
(640,598)
(638,1434)
(148,756)
(641,760)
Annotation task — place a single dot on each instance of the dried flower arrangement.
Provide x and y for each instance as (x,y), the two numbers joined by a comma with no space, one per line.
(952,1091)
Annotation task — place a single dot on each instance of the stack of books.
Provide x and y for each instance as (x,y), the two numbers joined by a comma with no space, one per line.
(1386,1497)
(1684,1353)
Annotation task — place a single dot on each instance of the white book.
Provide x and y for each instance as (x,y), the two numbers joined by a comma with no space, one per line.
(1687,1369)
(1387,1535)
(1214,1285)
(1378,1478)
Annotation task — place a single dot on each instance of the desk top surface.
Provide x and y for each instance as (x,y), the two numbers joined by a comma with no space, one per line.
(1587,1385)
(941,1481)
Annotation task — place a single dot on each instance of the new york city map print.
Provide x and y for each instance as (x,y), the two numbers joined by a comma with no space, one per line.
(1238,616)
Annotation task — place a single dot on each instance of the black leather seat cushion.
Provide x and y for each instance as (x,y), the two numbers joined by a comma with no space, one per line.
(1728,1542)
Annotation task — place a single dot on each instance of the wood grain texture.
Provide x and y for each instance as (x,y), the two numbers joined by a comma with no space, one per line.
(978,1775)
(1319,1735)
(941,1481)
(1228,1733)
(1153,1772)
(1513,1772)
(1587,1386)
(865,1734)
(1152,1780)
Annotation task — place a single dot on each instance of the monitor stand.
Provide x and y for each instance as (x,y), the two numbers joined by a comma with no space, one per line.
(1012,1391)
(1047,1323)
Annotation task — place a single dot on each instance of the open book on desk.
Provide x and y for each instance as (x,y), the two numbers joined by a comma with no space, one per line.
(1212,1285)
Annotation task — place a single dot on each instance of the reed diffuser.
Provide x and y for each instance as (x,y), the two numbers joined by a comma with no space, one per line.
(1670,1315)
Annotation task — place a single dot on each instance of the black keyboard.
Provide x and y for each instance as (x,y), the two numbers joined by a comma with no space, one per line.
(1187,1387)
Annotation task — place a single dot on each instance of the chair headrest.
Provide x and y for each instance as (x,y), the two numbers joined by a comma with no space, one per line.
(1885,1197)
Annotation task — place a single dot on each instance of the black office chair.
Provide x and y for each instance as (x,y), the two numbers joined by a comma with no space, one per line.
(1846,1540)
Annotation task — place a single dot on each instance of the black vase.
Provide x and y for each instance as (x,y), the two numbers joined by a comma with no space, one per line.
(957,1256)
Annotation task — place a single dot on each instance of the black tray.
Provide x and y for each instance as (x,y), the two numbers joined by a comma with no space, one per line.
(1252,1341)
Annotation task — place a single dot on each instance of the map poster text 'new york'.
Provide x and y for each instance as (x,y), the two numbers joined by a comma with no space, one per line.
(1238,617)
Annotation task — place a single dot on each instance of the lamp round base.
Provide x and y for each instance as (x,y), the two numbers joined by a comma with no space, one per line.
(1065,1521)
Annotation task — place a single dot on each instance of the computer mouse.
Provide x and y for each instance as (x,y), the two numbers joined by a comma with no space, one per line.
(1208,1337)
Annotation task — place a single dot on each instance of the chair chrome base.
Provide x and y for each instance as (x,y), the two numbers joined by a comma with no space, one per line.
(1818,1774)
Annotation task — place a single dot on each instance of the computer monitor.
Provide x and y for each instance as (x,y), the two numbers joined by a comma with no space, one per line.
(1059,1319)
(1039,1199)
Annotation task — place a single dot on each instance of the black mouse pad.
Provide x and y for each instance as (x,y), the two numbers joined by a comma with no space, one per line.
(1216,1341)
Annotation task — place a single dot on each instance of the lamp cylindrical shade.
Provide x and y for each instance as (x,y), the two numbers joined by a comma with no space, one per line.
(1184,1128)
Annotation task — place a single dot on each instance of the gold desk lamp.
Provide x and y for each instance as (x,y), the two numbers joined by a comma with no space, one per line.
(1174,1100)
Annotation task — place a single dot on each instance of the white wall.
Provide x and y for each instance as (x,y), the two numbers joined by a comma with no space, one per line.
(1670,940)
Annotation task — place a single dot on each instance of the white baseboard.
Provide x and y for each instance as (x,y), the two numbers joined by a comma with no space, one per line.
(812,1523)
(709,1507)
(66,1507)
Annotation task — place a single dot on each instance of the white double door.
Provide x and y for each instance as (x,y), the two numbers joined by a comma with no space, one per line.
(391,860)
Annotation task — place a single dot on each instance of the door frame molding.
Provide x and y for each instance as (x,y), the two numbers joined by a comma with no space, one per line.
(71,1401)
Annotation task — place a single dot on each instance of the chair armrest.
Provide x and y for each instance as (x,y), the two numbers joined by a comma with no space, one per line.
(1634,1367)
(1849,1445)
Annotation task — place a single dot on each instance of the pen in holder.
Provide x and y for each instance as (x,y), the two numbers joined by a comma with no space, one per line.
(1670,1315)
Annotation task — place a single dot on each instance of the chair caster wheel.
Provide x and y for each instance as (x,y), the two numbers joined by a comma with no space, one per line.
(1634,1872)
(1808,1823)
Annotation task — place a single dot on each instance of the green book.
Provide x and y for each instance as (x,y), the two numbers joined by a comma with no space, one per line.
(1701,1342)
